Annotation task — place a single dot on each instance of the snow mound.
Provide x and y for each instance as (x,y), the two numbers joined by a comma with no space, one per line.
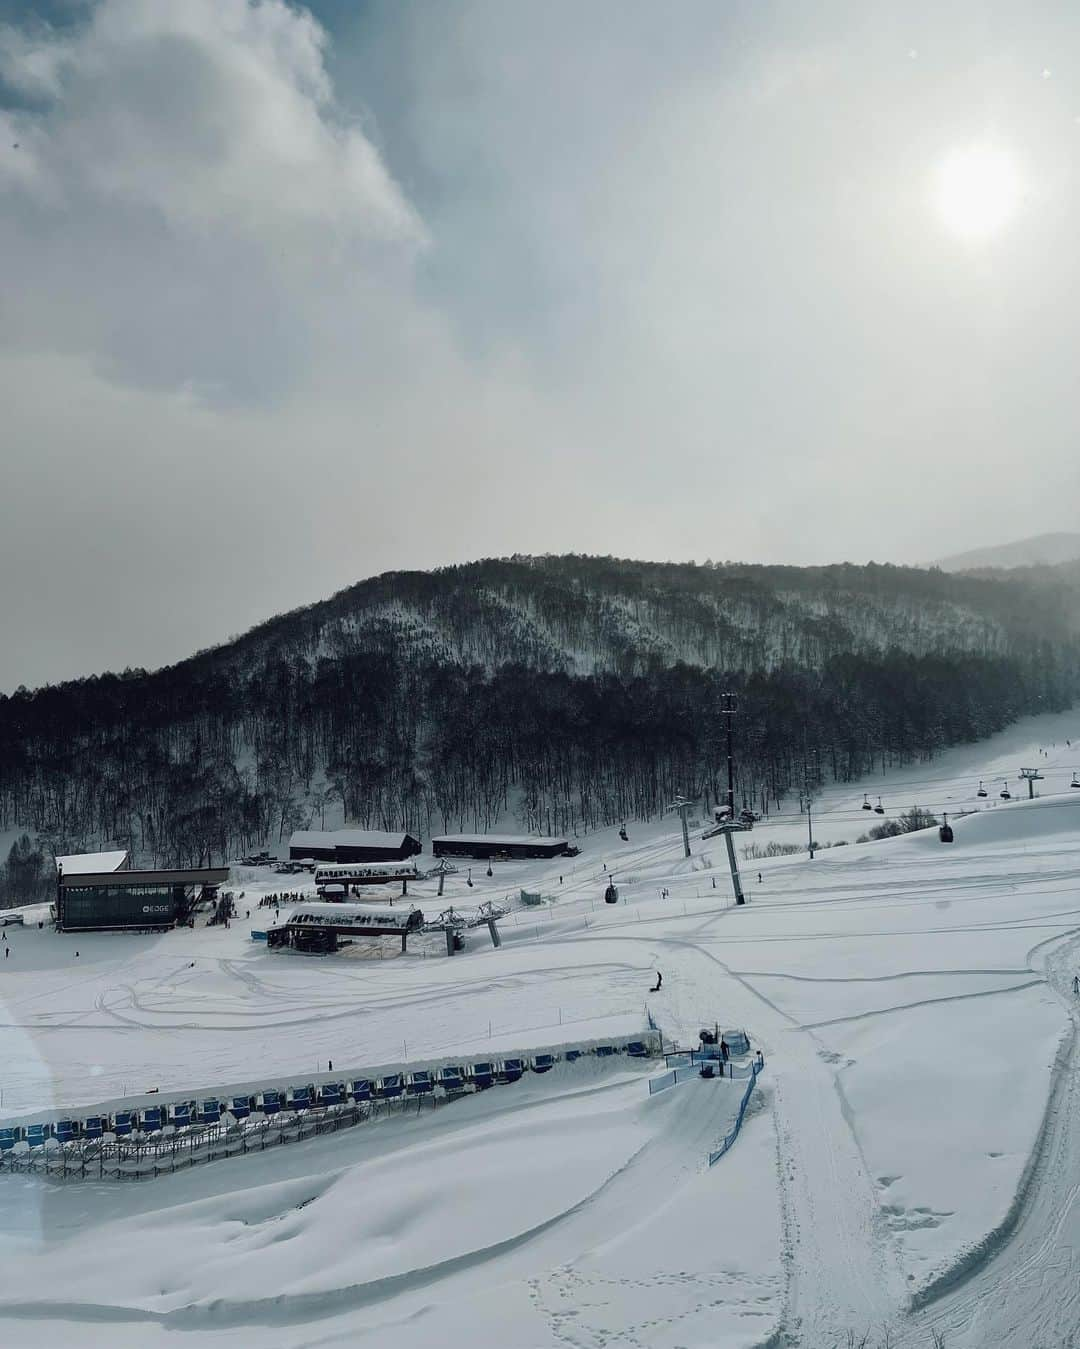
(1012,822)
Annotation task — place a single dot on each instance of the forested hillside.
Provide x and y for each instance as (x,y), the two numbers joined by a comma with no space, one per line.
(572,691)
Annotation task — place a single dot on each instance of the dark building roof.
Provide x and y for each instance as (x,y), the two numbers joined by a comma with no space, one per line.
(190,876)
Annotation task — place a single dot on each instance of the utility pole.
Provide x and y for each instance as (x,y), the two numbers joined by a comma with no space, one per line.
(683,807)
(809,820)
(1030,776)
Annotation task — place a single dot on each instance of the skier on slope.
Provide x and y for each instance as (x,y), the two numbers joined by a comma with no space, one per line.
(1076,985)
(659,980)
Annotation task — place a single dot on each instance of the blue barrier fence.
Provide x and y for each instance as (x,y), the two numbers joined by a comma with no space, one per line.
(714,1157)
(678,1074)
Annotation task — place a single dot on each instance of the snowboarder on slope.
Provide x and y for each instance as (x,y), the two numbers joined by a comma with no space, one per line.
(659,980)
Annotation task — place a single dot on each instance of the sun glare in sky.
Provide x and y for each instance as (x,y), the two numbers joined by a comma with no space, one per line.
(978,191)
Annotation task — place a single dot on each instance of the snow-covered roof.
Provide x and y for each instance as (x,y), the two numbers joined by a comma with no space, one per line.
(90,863)
(346,838)
(330,870)
(354,915)
(500,839)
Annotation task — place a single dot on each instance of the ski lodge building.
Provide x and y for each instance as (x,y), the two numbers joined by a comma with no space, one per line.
(496,846)
(98,892)
(351,845)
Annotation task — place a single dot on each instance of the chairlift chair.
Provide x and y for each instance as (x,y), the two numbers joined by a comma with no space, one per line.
(390,1087)
(982,791)
(303,1098)
(209,1111)
(879,809)
(512,1070)
(452,1080)
(482,1075)
(866,802)
(1075,782)
(1005,794)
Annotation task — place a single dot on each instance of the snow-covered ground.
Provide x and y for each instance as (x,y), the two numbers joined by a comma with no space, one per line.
(913,1146)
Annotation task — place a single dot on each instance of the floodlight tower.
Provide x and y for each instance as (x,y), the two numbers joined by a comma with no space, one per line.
(727,711)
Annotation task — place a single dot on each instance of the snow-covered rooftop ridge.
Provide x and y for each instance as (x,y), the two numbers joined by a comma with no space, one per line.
(330,870)
(91,863)
(347,838)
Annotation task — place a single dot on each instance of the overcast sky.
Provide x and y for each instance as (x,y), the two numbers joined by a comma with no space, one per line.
(292,296)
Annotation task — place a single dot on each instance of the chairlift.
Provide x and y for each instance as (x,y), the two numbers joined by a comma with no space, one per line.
(1005,794)
(1074,782)
(866,802)
(489,871)
(982,791)
(879,809)
(945,833)
(611,894)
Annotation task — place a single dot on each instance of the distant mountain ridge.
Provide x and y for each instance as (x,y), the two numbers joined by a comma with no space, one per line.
(1044,550)
(570,690)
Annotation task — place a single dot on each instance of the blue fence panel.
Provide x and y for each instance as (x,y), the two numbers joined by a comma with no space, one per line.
(714,1157)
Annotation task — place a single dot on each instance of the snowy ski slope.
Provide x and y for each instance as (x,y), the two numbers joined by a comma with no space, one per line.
(911,1160)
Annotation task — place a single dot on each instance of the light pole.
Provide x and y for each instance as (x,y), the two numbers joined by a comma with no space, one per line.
(809,823)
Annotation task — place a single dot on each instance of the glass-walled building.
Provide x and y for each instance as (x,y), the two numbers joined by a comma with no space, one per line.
(131,899)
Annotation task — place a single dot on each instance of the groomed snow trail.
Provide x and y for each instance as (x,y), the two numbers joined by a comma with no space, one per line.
(1025,1291)
(839,1257)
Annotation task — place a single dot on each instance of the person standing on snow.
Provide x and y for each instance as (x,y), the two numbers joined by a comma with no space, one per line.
(1076,984)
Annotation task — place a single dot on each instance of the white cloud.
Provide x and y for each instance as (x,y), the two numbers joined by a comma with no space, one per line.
(673,291)
(186,198)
